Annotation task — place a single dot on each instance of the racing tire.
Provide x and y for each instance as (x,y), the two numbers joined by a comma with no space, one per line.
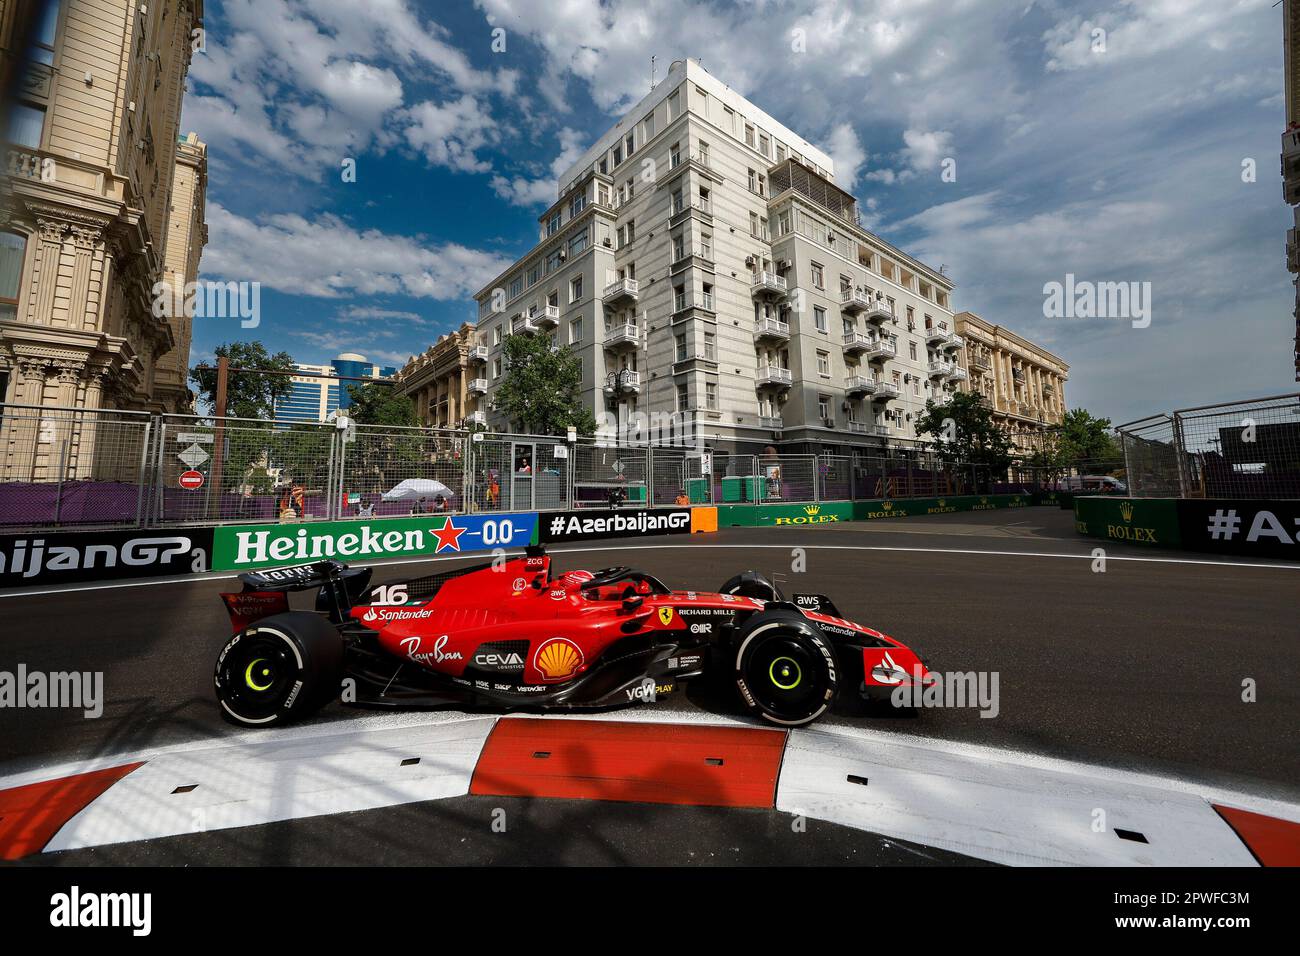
(279,670)
(752,584)
(785,668)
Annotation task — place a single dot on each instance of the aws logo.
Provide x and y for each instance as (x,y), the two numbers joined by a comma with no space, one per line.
(811,515)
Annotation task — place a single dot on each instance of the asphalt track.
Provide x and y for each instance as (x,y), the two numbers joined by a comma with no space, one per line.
(1138,667)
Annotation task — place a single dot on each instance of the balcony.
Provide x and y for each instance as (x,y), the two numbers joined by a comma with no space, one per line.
(547,317)
(878,311)
(935,335)
(880,431)
(772,329)
(773,376)
(853,301)
(940,368)
(859,385)
(1291,166)
(478,386)
(624,380)
(684,210)
(884,392)
(476,418)
(856,342)
(522,325)
(768,283)
(880,350)
(477,353)
(685,303)
(860,428)
(775,424)
(955,341)
(980,361)
(623,334)
(957,374)
(621,290)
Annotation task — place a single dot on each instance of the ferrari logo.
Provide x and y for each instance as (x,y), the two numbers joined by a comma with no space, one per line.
(665,616)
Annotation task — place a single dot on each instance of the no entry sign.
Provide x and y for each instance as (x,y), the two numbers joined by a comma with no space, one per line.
(191,480)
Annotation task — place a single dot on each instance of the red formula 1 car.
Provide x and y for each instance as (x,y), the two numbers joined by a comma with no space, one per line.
(511,636)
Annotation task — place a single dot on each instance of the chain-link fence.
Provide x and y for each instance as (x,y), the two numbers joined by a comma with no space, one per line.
(65,467)
(1247,449)
(72,468)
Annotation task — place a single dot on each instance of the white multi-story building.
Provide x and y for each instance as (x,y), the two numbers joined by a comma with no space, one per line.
(701,260)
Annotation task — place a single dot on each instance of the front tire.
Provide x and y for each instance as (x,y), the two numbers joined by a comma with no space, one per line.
(785,668)
(281,669)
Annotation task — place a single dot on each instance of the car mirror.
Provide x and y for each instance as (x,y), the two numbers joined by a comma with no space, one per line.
(631,604)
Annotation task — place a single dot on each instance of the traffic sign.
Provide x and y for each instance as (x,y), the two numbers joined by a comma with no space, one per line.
(193,456)
(191,480)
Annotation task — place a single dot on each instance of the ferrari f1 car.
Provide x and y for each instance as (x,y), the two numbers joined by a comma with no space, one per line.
(510,635)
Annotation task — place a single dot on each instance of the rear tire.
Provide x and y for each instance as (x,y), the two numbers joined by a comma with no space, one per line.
(279,670)
(785,668)
(752,584)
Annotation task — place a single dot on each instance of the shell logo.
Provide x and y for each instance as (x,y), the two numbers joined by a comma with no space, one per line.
(558,659)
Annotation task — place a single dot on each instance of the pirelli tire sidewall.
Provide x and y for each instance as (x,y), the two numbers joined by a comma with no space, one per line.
(816,659)
(307,652)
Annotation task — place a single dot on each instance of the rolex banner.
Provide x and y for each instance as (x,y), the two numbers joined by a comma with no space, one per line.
(1152,522)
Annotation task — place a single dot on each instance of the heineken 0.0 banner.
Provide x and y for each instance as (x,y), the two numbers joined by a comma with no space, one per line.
(242,548)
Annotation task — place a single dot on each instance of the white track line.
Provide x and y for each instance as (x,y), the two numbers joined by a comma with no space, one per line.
(194,579)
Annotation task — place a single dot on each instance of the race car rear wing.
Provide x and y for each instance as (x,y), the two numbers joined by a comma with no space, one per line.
(266,592)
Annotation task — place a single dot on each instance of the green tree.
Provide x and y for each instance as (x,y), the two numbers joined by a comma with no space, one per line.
(540,391)
(376,404)
(248,395)
(964,431)
(1082,437)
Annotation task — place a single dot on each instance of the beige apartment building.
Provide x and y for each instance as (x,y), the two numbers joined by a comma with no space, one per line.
(447,380)
(100,201)
(1021,382)
(702,262)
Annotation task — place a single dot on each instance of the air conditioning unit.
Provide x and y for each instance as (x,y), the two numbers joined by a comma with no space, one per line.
(844,407)
(749,260)
(608,243)
(829,422)
(562,255)
(783,264)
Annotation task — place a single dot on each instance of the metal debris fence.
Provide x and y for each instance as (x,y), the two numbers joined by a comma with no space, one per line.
(1245,449)
(70,468)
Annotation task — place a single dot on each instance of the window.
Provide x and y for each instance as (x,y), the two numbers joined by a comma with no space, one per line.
(706,301)
(496,368)
(780,153)
(577,204)
(753,181)
(683,398)
(649,127)
(496,335)
(711,396)
(703,153)
(628,143)
(677,203)
(818,279)
(679,248)
(704,200)
(631,230)
(675,155)
(575,331)
(618,154)
(681,347)
(553,225)
(824,364)
(46,28)
(706,246)
(711,346)
(578,243)
(824,407)
(729,120)
(753,224)
(679,298)
(630,188)
(819,318)
(848,324)
(674,104)
(553,298)
(575,288)
(911,350)
(764,144)
(13,246)
(749,136)
(26,124)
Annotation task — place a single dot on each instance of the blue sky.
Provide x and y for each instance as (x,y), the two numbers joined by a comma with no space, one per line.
(1121,162)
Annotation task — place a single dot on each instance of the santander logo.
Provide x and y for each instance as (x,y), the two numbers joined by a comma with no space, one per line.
(388,615)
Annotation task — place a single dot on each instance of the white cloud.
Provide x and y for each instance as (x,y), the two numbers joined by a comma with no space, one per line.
(327,258)
(846,150)
(451,134)
(924,150)
(522,191)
